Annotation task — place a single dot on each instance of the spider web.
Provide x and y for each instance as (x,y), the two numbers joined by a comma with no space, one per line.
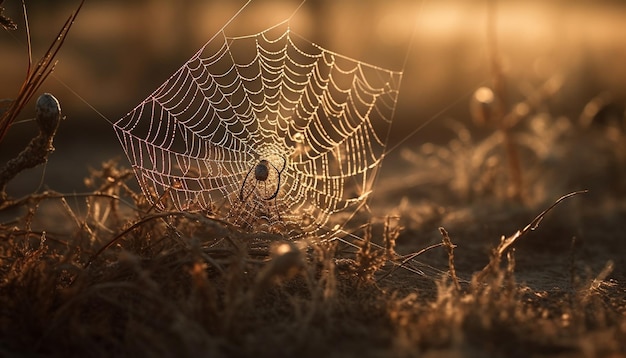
(318,118)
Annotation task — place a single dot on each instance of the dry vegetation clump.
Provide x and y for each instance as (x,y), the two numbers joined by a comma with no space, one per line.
(564,293)
(173,283)
(114,278)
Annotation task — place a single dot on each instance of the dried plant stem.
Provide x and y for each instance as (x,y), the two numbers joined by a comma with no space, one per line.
(36,75)
(450,247)
(6,22)
(515,189)
(404,260)
(48,116)
(507,242)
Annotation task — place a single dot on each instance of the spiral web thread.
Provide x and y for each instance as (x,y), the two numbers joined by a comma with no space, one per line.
(318,118)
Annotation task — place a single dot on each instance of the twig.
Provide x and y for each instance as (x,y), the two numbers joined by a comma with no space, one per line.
(506,243)
(5,21)
(406,259)
(48,116)
(515,189)
(246,237)
(37,75)
(450,246)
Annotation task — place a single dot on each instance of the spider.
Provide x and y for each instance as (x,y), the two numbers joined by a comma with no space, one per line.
(261,174)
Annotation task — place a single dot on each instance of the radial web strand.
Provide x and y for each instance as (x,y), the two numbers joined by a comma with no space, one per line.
(270,131)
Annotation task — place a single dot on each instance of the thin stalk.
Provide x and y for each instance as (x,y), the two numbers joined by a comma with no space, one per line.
(515,188)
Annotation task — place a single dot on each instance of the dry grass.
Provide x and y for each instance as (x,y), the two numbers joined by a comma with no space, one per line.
(110,278)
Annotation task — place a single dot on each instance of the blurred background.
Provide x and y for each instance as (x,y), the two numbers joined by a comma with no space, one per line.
(118,52)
